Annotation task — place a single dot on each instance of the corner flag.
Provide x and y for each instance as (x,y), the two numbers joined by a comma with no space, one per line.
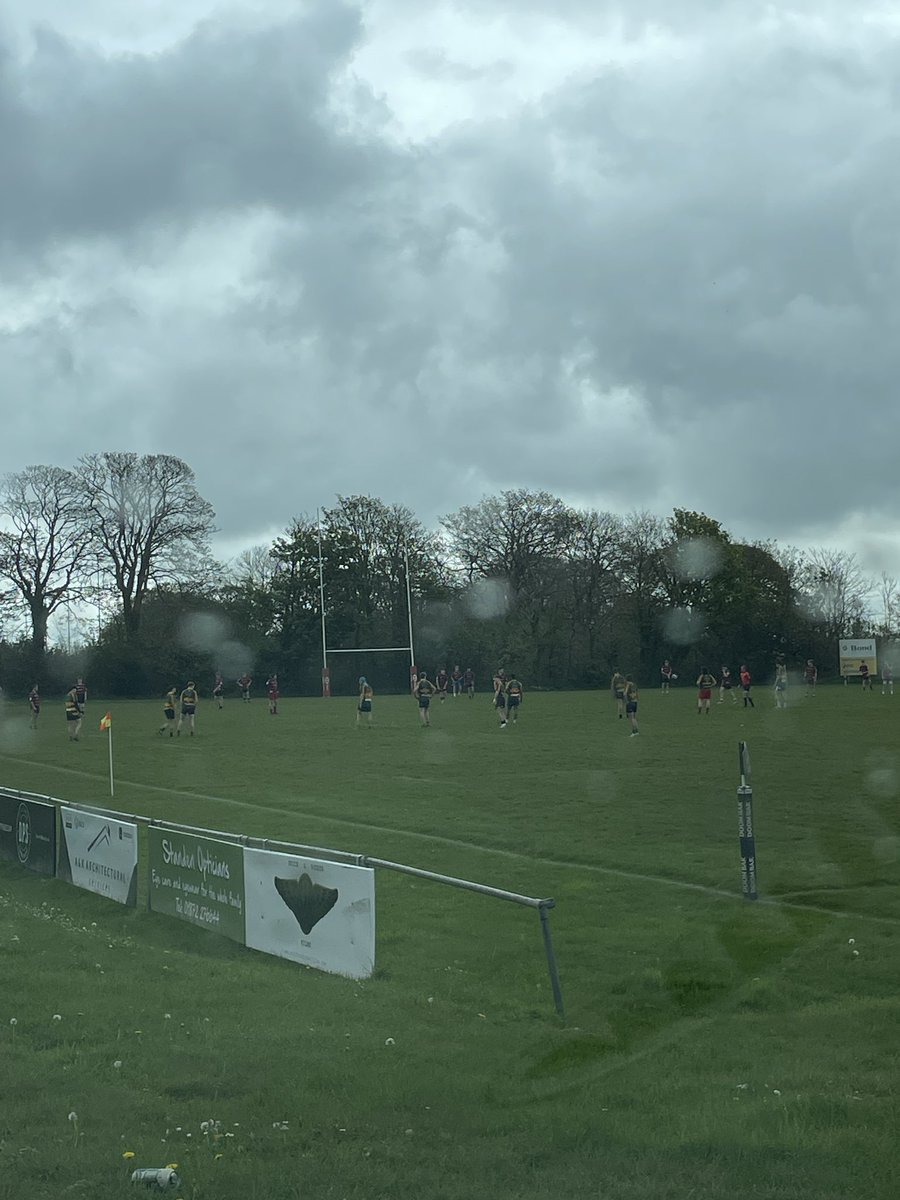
(106,723)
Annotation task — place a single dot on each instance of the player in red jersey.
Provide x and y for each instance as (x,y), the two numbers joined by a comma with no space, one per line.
(34,703)
(666,676)
(705,684)
(219,690)
(810,676)
(441,681)
(244,683)
(469,682)
(865,676)
(273,693)
(746,681)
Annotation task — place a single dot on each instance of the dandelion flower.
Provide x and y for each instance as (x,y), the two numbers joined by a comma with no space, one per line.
(117,1064)
(57,1017)
(128,1154)
(13,1021)
(389,1041)
(73,1117)
(167,1016)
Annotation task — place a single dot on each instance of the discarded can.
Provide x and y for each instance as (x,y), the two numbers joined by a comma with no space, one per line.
(161,1179)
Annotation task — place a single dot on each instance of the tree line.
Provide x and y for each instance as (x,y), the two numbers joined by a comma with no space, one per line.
(561,595)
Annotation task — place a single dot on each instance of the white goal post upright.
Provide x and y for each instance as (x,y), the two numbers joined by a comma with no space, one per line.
(326,649)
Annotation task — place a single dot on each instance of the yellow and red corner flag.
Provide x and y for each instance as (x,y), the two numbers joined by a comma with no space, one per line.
(105,722)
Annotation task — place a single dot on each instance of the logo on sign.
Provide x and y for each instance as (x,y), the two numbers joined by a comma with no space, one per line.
(103,838)
(309,902)
(23,833)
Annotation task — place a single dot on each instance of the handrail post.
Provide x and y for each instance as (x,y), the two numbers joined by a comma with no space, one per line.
(543,908)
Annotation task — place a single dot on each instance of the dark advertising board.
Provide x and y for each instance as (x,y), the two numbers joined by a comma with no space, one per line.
(28,833)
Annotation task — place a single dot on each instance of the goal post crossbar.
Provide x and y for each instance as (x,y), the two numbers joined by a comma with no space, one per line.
(369,650)
(326,650)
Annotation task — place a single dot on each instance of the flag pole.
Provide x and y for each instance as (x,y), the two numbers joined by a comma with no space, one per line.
(112,786)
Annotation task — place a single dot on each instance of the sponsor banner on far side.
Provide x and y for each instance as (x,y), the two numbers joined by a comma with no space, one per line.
(854,652)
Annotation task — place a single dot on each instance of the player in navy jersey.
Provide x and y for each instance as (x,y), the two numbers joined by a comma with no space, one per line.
(631,705)
(364,703)
(513,692)
(499,701)
(423,691)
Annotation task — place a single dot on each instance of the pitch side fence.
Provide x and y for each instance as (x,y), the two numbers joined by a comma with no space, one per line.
(255,891)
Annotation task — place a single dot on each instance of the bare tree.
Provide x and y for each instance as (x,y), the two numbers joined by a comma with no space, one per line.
(593,561)
(512,536)
(836,592)
(889,595)
(253,568)
(148,521)
(43,551)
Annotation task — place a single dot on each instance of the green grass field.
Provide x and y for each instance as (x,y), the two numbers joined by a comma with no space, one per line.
(711,1048)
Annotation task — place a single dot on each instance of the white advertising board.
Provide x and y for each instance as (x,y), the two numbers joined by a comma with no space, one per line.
(312,911)
(99,853)
(856,651)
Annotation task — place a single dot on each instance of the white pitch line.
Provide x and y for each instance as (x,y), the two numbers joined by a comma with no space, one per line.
(439,839)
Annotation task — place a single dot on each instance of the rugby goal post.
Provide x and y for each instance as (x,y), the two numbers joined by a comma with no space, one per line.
(327,650)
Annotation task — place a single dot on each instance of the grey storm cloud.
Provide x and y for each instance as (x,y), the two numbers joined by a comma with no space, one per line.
(671,279)
(98,144)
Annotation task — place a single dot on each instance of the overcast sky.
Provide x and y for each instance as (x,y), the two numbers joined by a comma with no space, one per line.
(629,252)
